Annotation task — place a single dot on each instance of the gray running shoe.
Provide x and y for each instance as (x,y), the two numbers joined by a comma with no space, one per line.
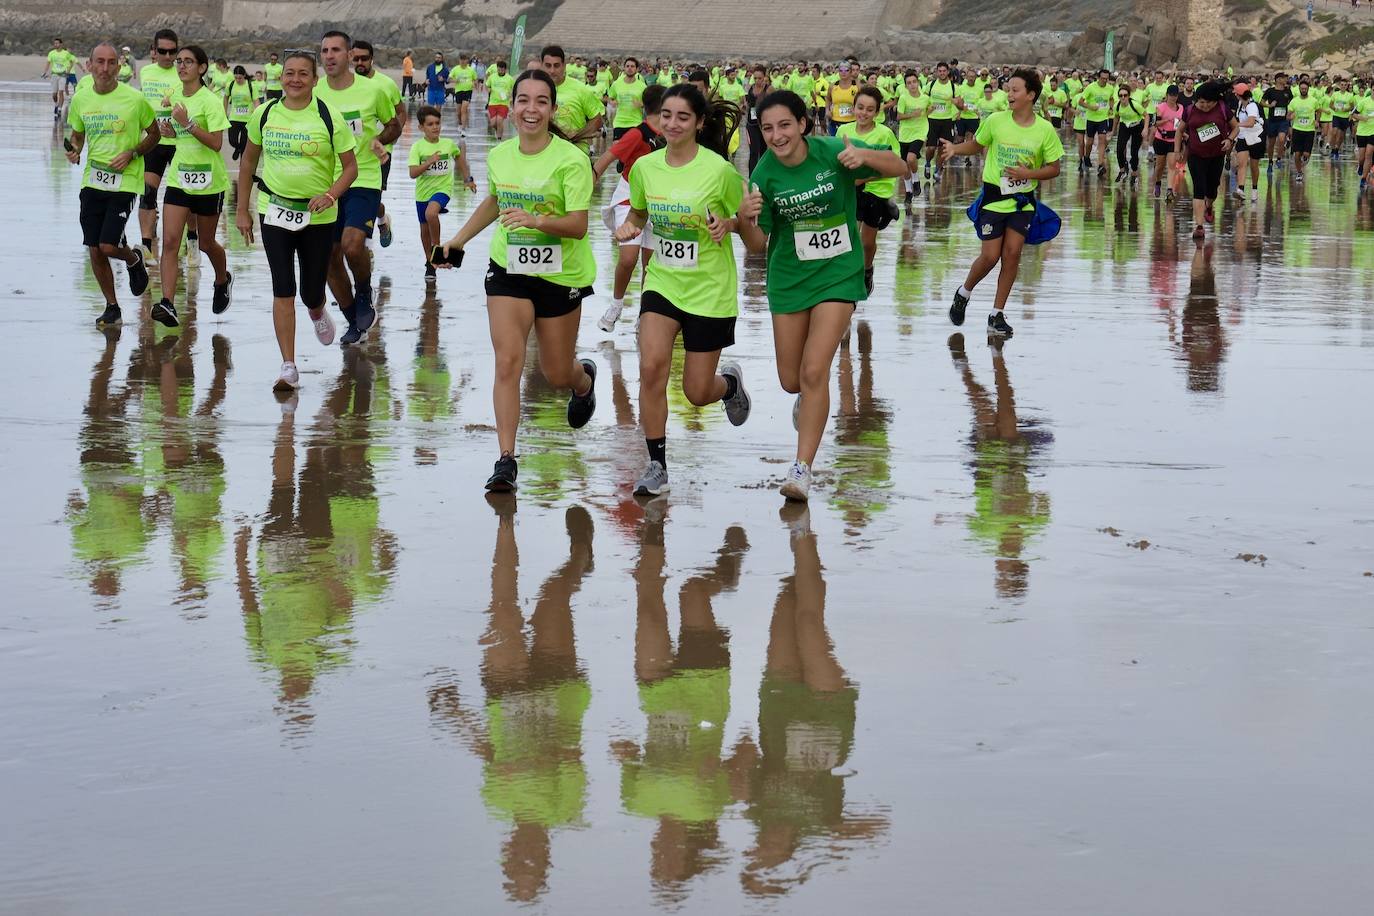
(797,486)
(653,481)
(737,407)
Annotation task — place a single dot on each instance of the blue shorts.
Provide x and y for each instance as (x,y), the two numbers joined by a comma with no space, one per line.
(1275,126)
(358,209)
(422,205)
(436,97)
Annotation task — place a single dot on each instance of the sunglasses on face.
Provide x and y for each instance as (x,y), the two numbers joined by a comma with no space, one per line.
(164,50)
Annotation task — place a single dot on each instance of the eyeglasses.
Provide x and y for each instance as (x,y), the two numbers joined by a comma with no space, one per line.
(186,61)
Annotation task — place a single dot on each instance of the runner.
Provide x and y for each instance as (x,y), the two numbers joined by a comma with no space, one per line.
(240,104)
(1277,126)
(628,91)
(1302,112)
(541,266)
(944,107)
(690,192)
(1204,137)
(876,208)
(638,141)
(579,113)
(1163,127)
(271,81)
(158,82)
(464,78)
(196,185)
(408,74)
(758,90)
(122,130)
(60,63)
(368,112)
(913,126)
(436,82)
(1097,101)
(1055,101)
(126,65)
(363,57)
(1342,103)
(1249,142)
(298,205)
(840,100)
(499,86)
(1130,130)
(433,163)
(1022,151)
(801,210)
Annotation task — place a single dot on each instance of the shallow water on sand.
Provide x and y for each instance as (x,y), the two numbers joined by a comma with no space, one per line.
(1076,625)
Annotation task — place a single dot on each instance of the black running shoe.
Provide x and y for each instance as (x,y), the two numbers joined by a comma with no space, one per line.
(502,479)
(351,336)
(956,308)
(430,272)
(997,325)
(138,274)
(364,315)
(222,294)
(868,279)
(909,195)
(110,318)
(165,313)
(582,406)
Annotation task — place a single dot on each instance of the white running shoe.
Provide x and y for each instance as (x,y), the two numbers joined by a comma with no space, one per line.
(324,328)
(608,319)
(288,380)
(797,486)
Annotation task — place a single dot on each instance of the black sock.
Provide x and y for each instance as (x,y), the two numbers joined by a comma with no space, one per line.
(731,386)
(192,237)
(658,450)
(147,242)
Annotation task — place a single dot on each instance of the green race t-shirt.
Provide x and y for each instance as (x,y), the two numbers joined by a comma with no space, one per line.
(61,61)
(814,252)
(1098,101)
(438,178)
(912,129)
(195,168)
(1054,102)
(298,161)
(1129,112)
(391,91)
(555,181)
(880,137)
(273,74)
(1364,107)
(1080,114)
(942,101)
(1303,111)
(577,105)
(1008,144)
(499,88)
(240,102)
(688,269)
(113,123)
(627,95)
(160,85)
(464,78)
(365,108)
(970,94)
(1155,92)
(1342,103)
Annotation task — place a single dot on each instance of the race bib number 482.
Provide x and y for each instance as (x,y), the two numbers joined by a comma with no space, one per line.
(815,242)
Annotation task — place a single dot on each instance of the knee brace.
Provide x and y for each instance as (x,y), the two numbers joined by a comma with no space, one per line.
(149,199)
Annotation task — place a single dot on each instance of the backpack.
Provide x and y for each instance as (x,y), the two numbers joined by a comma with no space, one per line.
(325,116)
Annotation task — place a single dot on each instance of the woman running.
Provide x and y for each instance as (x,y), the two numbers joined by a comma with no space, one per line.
(635,142)
(197,183)
(239,103)
(801,210)
(541,265)
(1204,138)
(1130,129)
(690,192)
(1249,141)
(1164,125)
(299,200)
(1023,150)
(876,208)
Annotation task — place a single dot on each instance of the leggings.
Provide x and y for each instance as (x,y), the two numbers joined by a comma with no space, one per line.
(755,143)
(1206,175)
(1133,136)
(238,137)
(310,247)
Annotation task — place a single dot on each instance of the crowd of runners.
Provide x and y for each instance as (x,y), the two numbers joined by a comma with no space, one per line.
(807,164)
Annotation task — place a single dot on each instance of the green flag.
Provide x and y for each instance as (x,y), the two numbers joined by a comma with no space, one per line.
(1109,58)
(517,45)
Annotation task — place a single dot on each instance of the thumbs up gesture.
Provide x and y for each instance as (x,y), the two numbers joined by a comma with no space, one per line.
(751,203)
(850,157)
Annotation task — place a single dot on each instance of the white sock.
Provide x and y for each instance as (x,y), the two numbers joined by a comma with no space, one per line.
(907,181)
(619,303)
(966,293)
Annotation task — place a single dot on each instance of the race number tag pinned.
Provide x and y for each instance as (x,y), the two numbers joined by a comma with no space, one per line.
(291,215)
(193,179)
(676,253)
(814,241)
(534,256)
(104,177)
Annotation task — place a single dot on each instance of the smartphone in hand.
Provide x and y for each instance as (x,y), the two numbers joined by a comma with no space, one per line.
(455,256)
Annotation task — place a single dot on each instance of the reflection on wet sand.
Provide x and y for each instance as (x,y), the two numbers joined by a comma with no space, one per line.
(529,732)
(322,553)
(432,399)
(1201,345)
(863,452)
(793,779)
(676,776)
(1007,513)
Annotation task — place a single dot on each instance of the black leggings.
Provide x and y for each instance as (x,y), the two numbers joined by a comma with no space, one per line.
(310,246)
(238,137)
(1133,136)
(1206,175)
(755,143)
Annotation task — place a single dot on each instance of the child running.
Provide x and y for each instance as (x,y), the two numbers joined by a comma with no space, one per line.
(433,162)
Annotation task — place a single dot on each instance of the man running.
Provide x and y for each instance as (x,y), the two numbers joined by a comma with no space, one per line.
(580,112)
(1277,99)
(122,130)
(373,120)
(363,58)
(61,62)
(160,84)
(272,77)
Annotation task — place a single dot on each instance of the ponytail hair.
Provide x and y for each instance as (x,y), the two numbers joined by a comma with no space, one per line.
(541,76)
(719,118)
